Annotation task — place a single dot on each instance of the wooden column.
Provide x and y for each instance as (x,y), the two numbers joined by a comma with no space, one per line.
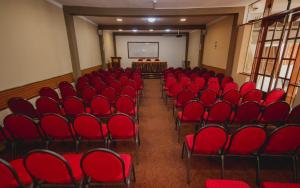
(231,51)
(201,50)
(102,52)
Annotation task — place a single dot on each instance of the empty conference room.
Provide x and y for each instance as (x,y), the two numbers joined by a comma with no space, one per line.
(150,93)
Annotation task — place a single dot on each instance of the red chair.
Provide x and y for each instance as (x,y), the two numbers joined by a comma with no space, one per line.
(276,113)
(294,117)
(173,91)
(279,185)
(192,113)
(232,96)
(248,86)
(246,113)
(19,105)
(13,174)
(225,184)
(104,166)
(98,84)
(208,97)
(57,128)
(117,86)
(52,169)
(170,80)
(225,80)
(185,81)
(252,95)
(283,142)
(88,94)
(219,113)
(48,105)
(200,81)
(220,76)
(6,139)
(89,128)
(130,91)
(122,127)
(66,90)
(110,93)
(123,79)
(49,92)
(273,96)
(194,87)
(207,141)
(64,84)
(245,142)
(214,86)
(126,105)
(73,106)
(183,97)
(132,83)
(101,107)
(80,86)
(230,86)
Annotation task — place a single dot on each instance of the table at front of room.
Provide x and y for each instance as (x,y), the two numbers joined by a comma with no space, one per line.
(150,66)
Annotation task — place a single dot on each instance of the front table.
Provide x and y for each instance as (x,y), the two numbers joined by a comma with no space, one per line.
(150,66)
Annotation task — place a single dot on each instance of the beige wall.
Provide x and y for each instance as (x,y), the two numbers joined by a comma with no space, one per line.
(217,42)
(88,43)
(34,43)
(194,48)
(108,45)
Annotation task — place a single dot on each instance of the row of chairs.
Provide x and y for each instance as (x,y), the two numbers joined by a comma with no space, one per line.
(250,141)
(99,166)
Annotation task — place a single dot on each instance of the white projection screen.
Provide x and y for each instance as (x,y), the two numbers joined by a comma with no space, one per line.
(143,50)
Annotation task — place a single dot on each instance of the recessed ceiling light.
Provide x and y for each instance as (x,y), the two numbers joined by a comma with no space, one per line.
(120,29)
(135,30)
(151,19)
(182,19)
(167,30)
(151,30)
(119,20)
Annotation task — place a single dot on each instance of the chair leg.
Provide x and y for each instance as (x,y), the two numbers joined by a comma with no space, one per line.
(257,170)
(136,150)
(77,143)
(297,168)
(179,131)
(133,173)
(222,166)
(294,168)
(183,150)
(188,163)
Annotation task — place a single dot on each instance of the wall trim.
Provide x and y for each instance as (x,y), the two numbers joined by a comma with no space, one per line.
(216,69)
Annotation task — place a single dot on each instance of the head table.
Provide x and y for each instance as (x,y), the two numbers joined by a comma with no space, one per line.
(150,66)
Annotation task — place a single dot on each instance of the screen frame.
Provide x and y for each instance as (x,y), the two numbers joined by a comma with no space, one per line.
(129,57)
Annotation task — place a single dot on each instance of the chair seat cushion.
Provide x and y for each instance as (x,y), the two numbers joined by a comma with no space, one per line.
(279,185)
(21,171)
(226,184)
(185,119)
(74,162)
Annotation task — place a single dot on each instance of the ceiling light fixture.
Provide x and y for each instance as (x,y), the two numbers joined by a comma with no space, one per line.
(151,30)
(119,20)
(182,19)
(135,30)
(120,29)
(167,30)
(151,19)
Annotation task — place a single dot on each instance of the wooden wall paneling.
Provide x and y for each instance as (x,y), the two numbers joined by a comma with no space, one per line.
(91,69)
(216,69)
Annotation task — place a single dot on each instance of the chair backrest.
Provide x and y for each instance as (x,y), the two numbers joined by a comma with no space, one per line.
(230,86)
(98,84)
(21,106)
(103,165)
(100,106)
(64,84)
(247,86)
(87,126)
(49,92)
(209,140)
(214,86)
(200,81)
(117,86)
(88,94)
(253,95)
(185,81)
(184,96)
(132,83)
(275,113)
(56,126)
(22,127)
(130,91)
(47,105)
(193,110)
(125,104)
(175,89)
(48,166)
(170,80)
(219,112)
(246,140)
(73,106)
(225,80)
(194,88)
(283,140)
(232,96)
(247,113)
(208,97)
(8,176)
(81,85)
(67,91)
(220,76)
(274,96)
(123,79)
(110,93)
(121,125)
(294,116)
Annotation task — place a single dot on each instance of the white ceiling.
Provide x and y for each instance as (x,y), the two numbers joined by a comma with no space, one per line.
(160,4)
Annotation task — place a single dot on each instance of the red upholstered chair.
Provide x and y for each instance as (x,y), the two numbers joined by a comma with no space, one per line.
(13,174)
(117,86)
(194,87)
(19,105)
(88,94)
(220,76)
(214,86)
(183,97)
(101,107)
(66,90)
(49,168)
(208,97)
(132,83)
(225,80)
(192,112)
(110,93)
(230,86)
(283,142)
(73,106)
(123,79)
(173,91)
(57,129)
(246,142)
(273,96)
(247,86)
(217,183)
(126,105)
(81,85)
(170,80)
(279,185)
(294,117)
(207,141)
(89,128)
(253,95)
(200,81)
(276,113)
(130,91)
(104,166)
(98,84)
(48,105)
(64,84)
(218,113)
(246,113)
(232,96)
(49,92)
(185,81)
